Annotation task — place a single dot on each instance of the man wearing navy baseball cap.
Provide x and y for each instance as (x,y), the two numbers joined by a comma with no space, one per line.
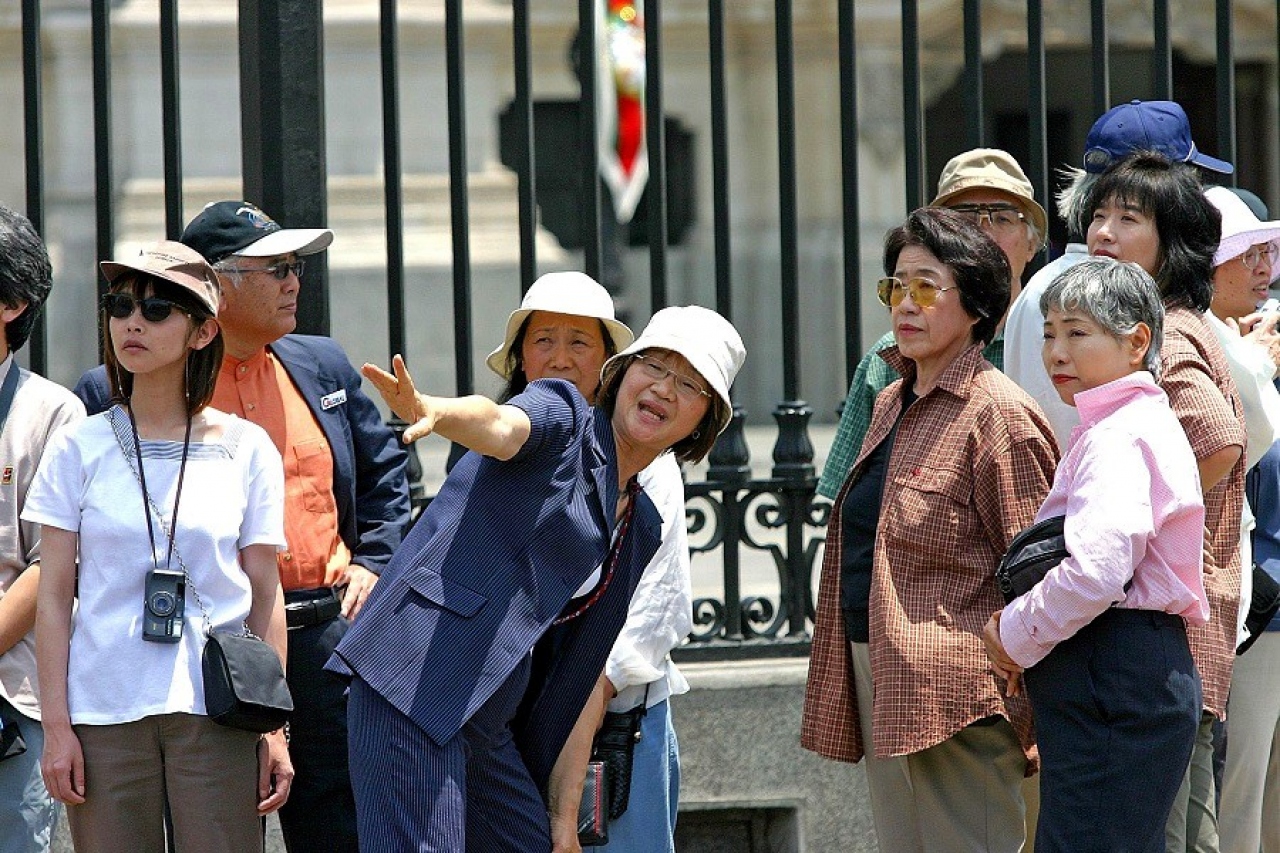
(347,495)
(1159,126)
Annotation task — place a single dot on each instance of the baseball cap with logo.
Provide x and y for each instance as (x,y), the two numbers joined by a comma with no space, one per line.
(227,228)
(174,263)
(990,169)
(1159,126)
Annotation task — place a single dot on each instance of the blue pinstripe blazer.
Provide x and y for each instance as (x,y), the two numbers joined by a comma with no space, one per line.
(491,564)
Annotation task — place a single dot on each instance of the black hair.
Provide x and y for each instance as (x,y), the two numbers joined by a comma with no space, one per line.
(980,267)
(202,364)
(25,274)
(1188,225)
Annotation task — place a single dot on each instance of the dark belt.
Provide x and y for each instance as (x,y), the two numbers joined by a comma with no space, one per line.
(311,607)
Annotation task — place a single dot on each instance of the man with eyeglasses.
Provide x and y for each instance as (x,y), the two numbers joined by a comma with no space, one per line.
(347,495)
(988,186)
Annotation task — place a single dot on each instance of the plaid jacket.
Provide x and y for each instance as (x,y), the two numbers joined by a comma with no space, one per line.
(1195,374)
(972,462)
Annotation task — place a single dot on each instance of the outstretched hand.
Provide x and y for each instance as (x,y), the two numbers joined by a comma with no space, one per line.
(400,394)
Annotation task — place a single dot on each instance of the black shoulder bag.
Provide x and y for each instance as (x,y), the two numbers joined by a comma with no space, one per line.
(1032,553)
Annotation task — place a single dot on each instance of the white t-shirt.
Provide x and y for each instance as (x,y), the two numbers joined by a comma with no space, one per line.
(232,497)
(661,612)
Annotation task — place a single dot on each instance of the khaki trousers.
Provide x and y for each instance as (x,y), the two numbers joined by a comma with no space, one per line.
(1193,820)
(965,794)
(208,773)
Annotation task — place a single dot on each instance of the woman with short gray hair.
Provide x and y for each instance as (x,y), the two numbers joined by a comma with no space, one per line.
(1101,640)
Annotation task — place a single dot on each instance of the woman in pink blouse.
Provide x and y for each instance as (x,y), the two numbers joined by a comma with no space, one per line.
(1151,211)
(1103,637)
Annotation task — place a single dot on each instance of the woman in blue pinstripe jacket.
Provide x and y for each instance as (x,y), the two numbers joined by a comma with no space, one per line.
(542,525)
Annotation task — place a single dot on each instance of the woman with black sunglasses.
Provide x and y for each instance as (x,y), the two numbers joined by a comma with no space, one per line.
(174,510)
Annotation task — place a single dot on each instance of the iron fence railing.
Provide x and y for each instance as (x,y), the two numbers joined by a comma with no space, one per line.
(731,513)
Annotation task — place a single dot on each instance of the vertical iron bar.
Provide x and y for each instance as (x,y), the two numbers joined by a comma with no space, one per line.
(526,174)
(393,196)
(975,124)
(849,186)
(458,197)
(720,160)
(1036,106)
(656,134)
(1226,66)
(1162,53)
(33,134)
(171,119)
(787,220)
(282,129)
(1101,57)
(587,60)
(912,105)
(103,184)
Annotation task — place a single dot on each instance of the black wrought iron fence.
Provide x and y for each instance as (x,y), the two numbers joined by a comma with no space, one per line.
(731,513)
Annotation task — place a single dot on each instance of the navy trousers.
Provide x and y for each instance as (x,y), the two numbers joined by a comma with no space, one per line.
(321,812)
(471,794)
(1116,710)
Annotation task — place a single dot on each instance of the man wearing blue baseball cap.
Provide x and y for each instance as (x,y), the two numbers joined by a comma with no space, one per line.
(1159,126)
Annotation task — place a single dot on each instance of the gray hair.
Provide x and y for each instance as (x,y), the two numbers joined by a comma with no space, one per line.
(229,273)
(1073,198)
(1117,295)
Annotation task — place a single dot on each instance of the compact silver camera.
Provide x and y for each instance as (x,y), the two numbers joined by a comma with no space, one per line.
(163,603)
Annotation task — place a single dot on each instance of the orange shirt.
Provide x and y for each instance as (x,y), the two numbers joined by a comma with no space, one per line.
(258,389)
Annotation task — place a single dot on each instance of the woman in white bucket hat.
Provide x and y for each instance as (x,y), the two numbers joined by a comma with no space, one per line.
(565,329)
(515,554)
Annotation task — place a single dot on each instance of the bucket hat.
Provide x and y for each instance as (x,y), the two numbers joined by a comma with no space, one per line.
(708,341)
(993,169)
(1240,228)
(561,293)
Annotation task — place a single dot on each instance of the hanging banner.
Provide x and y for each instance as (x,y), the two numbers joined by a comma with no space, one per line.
(620,70)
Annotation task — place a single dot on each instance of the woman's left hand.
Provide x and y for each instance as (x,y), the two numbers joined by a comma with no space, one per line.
(275,772)
(1001,664)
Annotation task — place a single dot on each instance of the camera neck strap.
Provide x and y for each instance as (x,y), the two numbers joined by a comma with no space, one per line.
(146,496)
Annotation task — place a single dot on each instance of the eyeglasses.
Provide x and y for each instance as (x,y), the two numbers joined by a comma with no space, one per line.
(1001,217)
(923,292)
(278,271)
(686,388)
(154,309)
(1253,255)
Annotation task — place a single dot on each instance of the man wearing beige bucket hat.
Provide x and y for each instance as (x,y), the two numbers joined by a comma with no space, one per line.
(988,186)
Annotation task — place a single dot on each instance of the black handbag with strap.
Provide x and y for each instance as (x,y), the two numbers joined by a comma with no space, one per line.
(1032,553)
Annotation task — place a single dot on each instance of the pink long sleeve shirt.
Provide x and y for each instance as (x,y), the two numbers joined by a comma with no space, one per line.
(1130,491)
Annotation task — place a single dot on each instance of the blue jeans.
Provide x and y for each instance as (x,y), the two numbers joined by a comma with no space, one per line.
(649,823)
(27,812)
